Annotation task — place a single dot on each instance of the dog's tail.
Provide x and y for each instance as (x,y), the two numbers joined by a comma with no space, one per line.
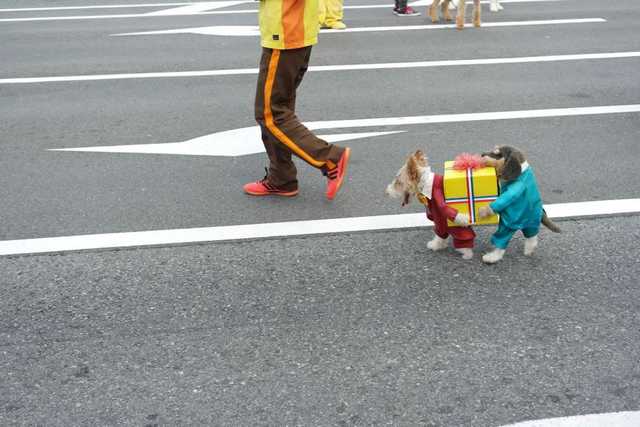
(546,221)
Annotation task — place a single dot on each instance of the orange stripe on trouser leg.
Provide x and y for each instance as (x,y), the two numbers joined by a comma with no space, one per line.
(268,115)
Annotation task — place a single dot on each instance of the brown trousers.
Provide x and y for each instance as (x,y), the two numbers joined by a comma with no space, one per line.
(281,73)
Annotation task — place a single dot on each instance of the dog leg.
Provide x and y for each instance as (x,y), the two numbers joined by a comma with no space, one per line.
(493,256)
(530,245)
(460,16)
(433,10)
(445,10)
(467,253)
(437,244)
(476,13)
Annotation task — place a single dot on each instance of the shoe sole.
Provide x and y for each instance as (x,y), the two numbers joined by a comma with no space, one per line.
(347,155)
(287,194)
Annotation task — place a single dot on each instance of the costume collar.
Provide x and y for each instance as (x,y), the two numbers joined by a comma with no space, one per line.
(425,186)
(524,166)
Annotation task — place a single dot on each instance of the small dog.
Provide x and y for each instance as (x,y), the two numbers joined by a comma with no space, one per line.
(519,203)
(415,178)
(460,14)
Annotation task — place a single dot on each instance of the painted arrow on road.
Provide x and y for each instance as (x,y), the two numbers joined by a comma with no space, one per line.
(245,141)
(199,7)
(231,143)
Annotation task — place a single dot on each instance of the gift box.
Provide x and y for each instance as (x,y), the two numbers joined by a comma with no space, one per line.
(469,189)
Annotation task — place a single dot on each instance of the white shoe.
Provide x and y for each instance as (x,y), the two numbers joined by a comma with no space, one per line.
(467,253)
(530,245)
(495,6)
(437,244)
(493,256)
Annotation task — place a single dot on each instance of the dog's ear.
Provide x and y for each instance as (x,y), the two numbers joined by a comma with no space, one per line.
(412,170)
(513,158)
(421,159)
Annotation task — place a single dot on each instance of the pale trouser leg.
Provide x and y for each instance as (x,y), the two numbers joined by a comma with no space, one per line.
(334,11)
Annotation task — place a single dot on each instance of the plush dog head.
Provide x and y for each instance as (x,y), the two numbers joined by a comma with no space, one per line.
(506,160)
(408,179)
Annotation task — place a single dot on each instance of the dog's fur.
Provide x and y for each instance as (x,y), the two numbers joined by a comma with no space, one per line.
(460,15)
(416,178)
(508,162)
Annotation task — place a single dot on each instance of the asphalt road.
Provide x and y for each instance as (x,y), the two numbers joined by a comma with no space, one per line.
(355,329)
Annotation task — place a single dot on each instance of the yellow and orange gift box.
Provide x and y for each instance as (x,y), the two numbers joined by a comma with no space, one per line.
(469,189)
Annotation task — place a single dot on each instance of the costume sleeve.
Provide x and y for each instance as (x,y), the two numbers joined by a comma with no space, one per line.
(438,199)
(512,193)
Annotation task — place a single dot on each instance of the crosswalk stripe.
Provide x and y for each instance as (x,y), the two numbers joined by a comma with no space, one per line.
(198,10)
(140,5)
(347,67)
(99,6)
(280,229)
(254,30)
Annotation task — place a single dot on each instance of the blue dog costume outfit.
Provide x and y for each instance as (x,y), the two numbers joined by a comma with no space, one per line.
(519,206)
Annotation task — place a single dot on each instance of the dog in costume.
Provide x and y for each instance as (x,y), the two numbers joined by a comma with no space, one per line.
(415,178)
(519,204)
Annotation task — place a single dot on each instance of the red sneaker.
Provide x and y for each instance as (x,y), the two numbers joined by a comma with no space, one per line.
(263,188)
(337,174)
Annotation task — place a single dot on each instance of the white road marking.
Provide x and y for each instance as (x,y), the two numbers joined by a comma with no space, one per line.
(197,8)
(252,30)
(428,2)
(614,419)
(347,67)
(92,17)
(140,5)
(102,6)
(245,141)
(279,229)
(225,144)
(62,18)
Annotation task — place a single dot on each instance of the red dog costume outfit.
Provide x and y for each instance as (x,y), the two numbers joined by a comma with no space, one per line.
(438,212)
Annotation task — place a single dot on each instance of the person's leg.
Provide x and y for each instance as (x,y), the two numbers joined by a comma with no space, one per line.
(286,70)
(322,12)
(275,103)
(282,171)
(334,14)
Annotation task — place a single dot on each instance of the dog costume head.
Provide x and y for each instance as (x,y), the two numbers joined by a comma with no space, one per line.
(414,176)
(507,161)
